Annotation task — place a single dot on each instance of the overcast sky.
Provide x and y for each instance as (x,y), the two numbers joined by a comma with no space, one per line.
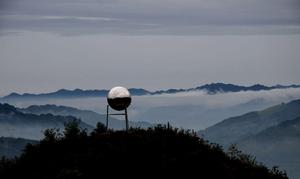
(46,45)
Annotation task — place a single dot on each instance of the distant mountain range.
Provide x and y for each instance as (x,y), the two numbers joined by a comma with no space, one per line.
(14,123)
(212,88)
(87,116)
(277,145)
(32,121)
(19,126)
(271,135)
(236,128)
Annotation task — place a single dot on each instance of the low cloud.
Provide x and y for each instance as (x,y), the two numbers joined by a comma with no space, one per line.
(193,110)
(188,17)
(201,98)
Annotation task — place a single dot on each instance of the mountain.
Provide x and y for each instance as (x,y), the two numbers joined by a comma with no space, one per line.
(235,128)
(278,145)
(221,87)
(14,123)
(196,117)
(159,151)
(89,117)
(76,93)
(212,88)
(12,147)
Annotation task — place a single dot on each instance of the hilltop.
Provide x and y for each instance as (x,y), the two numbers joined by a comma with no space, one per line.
(157,151)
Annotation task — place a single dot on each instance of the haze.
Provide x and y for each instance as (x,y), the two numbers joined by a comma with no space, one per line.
(49,45)
(191,110)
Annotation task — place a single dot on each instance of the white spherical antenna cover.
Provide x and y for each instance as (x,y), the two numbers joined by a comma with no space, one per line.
(118,92)
(119,98)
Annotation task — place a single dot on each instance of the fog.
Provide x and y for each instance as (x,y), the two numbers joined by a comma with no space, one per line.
(194,110)
(33,132)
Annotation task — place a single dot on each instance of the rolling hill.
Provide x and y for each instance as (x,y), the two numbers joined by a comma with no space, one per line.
(278,145)
(271,135)
(158,151)
(14,123)
(235,128)
(87,116)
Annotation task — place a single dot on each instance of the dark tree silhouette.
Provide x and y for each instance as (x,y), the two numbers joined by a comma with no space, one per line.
(157,151)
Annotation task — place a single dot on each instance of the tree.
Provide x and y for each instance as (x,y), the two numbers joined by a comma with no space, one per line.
(100,128)
(72,131)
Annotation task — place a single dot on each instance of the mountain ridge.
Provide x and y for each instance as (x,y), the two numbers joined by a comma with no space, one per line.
(14,123)
(234,128)
(271,135)
(87,116)
(211,88)
(277,145)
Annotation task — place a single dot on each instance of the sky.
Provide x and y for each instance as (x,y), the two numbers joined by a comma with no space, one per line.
(46,45)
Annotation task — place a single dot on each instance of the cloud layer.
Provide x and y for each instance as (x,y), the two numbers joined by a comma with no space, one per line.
(192,17)
(195,110)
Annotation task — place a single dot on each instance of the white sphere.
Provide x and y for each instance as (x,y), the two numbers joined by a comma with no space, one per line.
(118,92)
(119,98)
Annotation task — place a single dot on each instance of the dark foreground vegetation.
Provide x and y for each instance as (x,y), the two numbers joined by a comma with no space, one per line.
(157,151)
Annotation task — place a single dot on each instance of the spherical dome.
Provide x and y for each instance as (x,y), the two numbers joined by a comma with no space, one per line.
(119,98)
(118,92)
